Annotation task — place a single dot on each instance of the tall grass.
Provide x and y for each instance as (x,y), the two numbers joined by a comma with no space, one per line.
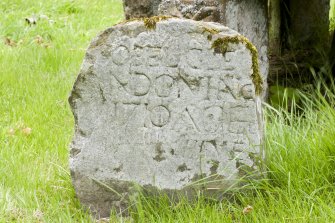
(38,65)
(332,15)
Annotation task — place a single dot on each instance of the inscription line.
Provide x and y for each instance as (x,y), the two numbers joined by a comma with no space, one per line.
(194,123)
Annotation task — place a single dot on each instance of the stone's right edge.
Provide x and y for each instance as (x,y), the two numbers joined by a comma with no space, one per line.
(220,44)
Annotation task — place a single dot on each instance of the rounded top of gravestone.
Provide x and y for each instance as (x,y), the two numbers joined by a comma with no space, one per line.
(163,103)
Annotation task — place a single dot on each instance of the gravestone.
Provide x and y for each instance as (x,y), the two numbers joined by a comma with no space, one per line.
(171,105)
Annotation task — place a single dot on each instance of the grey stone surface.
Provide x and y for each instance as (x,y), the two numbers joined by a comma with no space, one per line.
(160,109)
(206,10)
(140,8)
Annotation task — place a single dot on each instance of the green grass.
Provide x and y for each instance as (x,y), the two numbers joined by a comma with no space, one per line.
(332,15)
(35,80)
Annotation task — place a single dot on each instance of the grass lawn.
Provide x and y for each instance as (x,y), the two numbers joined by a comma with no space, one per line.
(38,66)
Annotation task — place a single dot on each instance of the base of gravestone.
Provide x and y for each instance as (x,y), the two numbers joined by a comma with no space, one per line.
(122,198)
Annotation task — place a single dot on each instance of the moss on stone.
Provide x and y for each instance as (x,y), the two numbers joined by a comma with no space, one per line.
(210,32)
(150,23)
(220,45)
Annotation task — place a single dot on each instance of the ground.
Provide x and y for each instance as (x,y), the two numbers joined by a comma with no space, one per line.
(38,66)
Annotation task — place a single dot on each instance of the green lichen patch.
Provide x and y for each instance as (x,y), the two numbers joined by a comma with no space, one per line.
(150,23)
(220,45)
(210,32)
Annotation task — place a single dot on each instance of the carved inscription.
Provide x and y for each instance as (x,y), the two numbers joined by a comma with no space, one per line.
(164,85)
(182,97)
(160,116)
(139,84)
(120,55)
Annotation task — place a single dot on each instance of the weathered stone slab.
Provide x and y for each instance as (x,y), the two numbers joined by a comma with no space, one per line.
(164,103)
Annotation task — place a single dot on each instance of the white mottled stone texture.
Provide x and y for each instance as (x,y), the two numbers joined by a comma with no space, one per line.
(160,109)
